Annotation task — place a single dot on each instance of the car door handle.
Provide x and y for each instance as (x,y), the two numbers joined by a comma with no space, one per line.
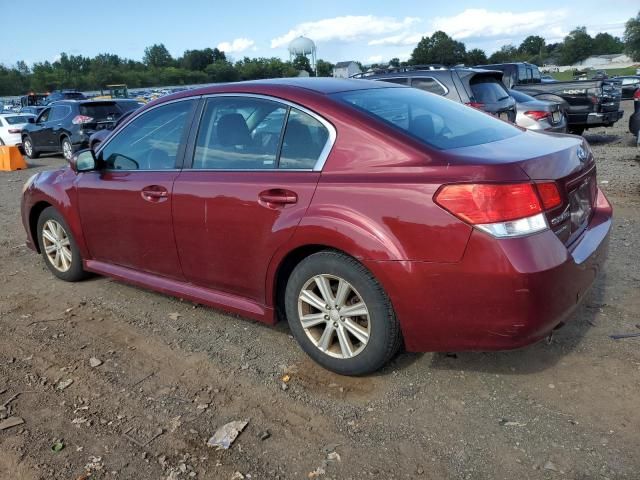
(155,193)
(277,198)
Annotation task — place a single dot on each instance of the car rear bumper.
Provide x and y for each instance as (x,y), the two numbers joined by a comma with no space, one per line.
(604,118)
(503,294)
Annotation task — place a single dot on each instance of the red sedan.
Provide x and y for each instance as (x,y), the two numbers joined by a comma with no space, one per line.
(370,215)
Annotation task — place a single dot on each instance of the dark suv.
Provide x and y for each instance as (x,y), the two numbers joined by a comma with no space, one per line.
(66,126)
(477,88)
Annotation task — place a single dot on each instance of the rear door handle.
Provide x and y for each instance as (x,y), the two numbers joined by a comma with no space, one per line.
(155,193)
(277,198)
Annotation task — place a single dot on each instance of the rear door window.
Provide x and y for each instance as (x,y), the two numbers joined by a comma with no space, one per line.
(522,74)
(59,112)
(487,89)
(429,84)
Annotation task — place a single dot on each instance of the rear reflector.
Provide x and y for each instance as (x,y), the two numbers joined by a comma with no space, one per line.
(537,114)
(502,210)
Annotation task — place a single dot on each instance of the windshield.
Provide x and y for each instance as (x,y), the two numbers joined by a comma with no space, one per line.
(521,97)
(17,120)
(436,121)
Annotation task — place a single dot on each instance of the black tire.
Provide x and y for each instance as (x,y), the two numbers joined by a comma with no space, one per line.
(67,148)
(75,271)
(29,150)
(576,130)
(385,337)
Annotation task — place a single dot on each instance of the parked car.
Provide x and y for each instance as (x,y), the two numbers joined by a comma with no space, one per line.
(10,127)
(58,95)
(547,79)
(98,137)
(374,215)
(634,120)
(630,85)
(477,88)
(588,103)
(66,126)
(538,114)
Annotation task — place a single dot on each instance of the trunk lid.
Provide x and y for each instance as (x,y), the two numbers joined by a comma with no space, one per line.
(565,159)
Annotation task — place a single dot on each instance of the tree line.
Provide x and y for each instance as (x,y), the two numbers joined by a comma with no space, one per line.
(208,65)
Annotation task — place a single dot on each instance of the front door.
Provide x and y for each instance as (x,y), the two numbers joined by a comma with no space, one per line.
(41,136)
(249,185)
(126,205)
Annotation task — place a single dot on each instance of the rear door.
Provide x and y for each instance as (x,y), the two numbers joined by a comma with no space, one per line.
(126,205)
(255,164)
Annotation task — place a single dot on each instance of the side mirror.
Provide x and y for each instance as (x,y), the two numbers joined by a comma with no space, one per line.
(83,161)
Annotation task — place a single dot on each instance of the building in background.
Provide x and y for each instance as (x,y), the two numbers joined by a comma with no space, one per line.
(346,69)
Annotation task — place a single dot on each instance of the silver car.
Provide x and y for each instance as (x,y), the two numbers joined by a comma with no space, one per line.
(534,114)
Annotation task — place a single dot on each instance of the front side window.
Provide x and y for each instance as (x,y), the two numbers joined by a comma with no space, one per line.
(429,84)
(437,122)
(239,133)
(149,142)
(44,116)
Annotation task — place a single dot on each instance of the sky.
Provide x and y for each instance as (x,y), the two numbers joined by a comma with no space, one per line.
(369,31)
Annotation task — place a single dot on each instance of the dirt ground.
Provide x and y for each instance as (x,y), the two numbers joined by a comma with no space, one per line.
(172,373)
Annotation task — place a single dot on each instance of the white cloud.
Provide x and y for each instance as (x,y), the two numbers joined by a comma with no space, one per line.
(478,22)
(346,28)
(407,38)
(236,46)
(375,59)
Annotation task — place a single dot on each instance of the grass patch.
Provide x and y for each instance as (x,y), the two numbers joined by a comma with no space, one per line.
(612,72)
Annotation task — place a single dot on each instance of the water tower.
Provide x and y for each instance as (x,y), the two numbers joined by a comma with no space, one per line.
(303,46)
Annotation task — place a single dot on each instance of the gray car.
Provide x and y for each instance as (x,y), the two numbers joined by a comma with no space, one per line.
(534,114)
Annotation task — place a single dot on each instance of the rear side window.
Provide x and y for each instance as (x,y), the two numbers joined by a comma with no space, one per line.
(101,111)
(151,141)
(487,89)
(239,133)
(399,81)
(429,84)
(437,122)
(59,112)
(303,142)
(522,74)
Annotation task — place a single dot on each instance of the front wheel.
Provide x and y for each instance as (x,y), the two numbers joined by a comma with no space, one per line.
(340,315)
(29,149)
(58,247)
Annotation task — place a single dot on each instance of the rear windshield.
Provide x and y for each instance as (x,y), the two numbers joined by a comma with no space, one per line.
(436,121)
(487,90)
(101,111)
(521,97)
(16,120)
(73,96)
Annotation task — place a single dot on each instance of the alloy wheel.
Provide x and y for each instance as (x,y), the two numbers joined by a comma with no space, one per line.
(28,148)
(57,246)
(67,150)
(334,316)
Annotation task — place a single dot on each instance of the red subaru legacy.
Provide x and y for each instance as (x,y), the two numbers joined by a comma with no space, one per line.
(367,214)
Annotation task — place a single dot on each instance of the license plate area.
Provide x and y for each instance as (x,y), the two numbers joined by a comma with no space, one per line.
(504,116)
(556,117)
(581,199)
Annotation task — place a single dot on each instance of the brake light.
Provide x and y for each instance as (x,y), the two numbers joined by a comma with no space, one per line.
(475,104)
(636,95)
(80,119)
(537,114)
(549,195)
(502,210)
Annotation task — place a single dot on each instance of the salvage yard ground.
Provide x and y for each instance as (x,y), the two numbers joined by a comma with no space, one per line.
(154,377)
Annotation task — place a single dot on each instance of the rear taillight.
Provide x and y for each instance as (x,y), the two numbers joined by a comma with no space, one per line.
(14,130)
(636,95)
(537,114)
(80,119)
(502,210)
(475,104)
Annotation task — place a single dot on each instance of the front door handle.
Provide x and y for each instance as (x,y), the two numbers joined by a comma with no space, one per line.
(155,193)
(277,198)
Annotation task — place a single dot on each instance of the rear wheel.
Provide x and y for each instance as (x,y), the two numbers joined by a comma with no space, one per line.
(58,247)
(29,149)
(340,315)
(576,130)
(67,148)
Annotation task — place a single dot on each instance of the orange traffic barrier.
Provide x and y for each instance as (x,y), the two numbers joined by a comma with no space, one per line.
(11,159)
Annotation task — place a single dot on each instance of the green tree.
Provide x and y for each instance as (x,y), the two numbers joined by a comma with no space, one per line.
(324,68)
(196,59)
(532,45)
(301,63)
(475,56)
(632,37)
(507,53)
(577,46)
(394,62)
(605,43)
(439,48)
(221,71)
(157,55)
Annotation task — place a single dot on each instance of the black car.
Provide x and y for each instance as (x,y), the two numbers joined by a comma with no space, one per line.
(634,120)
(629,85)
(482,89)
(58,95)
(66,126)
